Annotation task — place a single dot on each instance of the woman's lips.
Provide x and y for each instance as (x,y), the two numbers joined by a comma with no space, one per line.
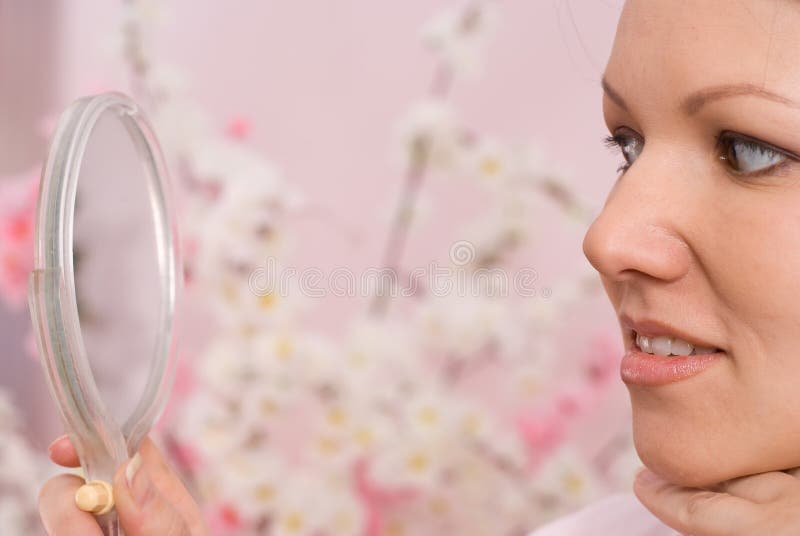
(640,368)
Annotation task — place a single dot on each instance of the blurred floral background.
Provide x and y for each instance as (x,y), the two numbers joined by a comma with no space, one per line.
(346,138)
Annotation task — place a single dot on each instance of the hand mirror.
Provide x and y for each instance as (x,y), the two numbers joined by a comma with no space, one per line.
(103,290)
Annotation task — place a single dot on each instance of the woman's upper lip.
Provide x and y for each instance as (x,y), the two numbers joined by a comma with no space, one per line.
(650,327)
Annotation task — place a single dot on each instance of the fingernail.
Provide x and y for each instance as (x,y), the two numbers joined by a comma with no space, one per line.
(134,464)
(137,479)
(56,440)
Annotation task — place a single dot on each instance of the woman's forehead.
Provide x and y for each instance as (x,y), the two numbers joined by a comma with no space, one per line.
(666,47)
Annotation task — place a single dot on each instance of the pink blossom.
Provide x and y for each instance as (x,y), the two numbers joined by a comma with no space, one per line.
(542,431)
(573,401)
(17,211)
(376,499)
(223,519)
(602,364)
(238,128)
(545,429)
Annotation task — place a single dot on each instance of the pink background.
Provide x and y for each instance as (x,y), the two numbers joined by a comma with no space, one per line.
(324,84)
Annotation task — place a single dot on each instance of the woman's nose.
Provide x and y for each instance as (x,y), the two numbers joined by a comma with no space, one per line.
(637,233)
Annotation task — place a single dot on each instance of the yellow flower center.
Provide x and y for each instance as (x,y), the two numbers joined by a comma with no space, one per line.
(293,522)
(418,462)
(267,300)
(284,347)
(428,415)
(573,483)
(491,165)
(337,416)
(265,493)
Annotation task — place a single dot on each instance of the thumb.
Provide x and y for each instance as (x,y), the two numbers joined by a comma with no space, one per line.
(141,507)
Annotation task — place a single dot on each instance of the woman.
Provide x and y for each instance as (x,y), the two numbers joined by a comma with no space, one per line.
(699,240)
(698,247)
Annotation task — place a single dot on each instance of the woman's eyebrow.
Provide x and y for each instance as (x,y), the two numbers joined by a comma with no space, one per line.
(696,100)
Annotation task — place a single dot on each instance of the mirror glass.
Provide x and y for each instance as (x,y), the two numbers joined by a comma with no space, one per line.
(115,264)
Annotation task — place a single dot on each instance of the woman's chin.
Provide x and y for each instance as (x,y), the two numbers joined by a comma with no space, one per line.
(682,463)
(678,472)
(684,433)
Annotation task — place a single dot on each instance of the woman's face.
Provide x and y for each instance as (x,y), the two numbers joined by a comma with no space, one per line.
(707,245)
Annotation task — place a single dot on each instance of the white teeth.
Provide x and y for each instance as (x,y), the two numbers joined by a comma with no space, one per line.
(661,345)
(681,347)
(669,346)
(643,343)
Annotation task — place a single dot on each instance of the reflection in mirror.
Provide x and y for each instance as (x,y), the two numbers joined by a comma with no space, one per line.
(116,269)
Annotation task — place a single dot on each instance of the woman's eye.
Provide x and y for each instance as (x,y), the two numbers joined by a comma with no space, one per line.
(629,146)
(748,157)
(743,155)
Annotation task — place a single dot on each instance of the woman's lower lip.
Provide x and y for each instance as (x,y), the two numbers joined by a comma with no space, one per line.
(641,368)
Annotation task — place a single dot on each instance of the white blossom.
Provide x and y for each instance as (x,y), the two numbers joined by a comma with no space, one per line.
(181,125)
(282,412)
(567,474)
(416,461)
(431,134)
(490,161)
(464,325)
(459,36)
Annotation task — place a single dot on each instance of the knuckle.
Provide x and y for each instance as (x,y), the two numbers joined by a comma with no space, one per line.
(151,501)
(162,516)
(696,504)
(165,524)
